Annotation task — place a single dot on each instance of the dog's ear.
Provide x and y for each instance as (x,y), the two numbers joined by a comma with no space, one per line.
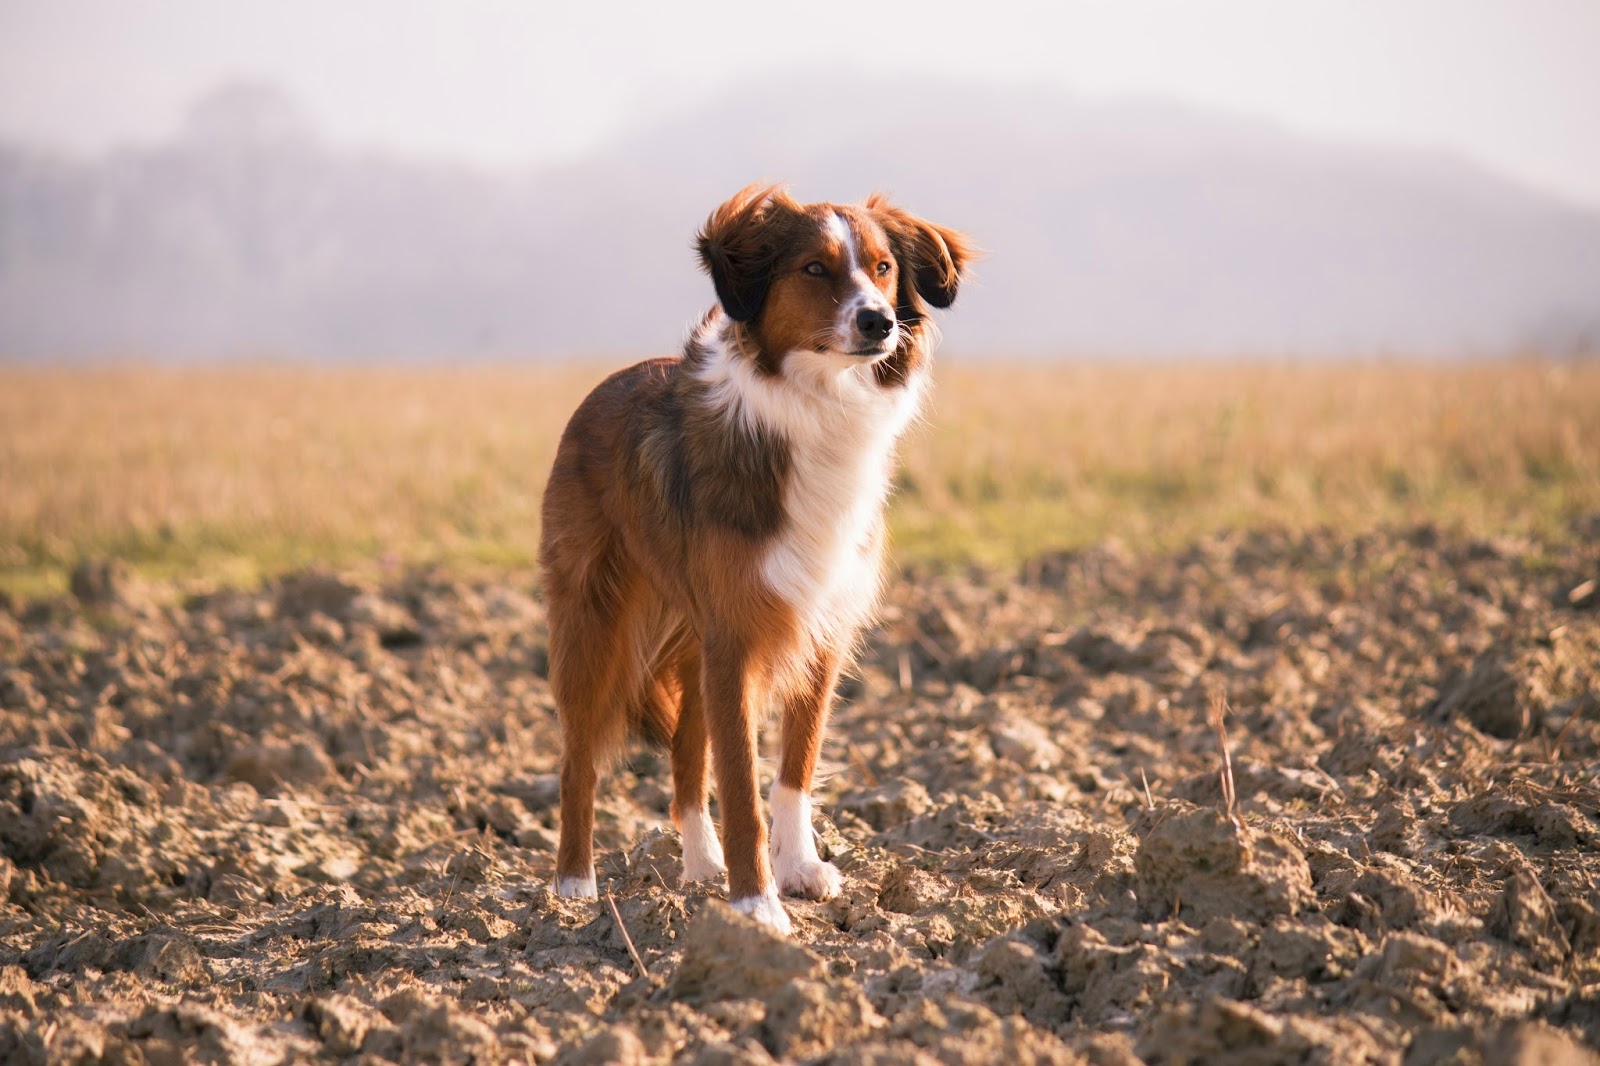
(933,260)
(740,245)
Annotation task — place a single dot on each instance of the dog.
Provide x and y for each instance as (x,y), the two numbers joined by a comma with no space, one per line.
(713,527)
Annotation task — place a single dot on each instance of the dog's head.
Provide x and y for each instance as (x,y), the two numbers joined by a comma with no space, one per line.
(850,281)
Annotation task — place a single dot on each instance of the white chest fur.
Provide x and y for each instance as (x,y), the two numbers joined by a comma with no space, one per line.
(841,428)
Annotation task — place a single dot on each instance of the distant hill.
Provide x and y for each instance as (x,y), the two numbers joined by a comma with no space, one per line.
(1120,227)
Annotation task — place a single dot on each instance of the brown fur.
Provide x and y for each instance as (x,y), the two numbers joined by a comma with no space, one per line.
(659,508)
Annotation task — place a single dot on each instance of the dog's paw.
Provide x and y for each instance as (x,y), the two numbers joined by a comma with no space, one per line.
(701,869)
(809,878)
(765,909)
(577,887)
(702,851)
(795,864)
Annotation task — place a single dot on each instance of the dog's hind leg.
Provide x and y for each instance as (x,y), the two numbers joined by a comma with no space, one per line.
(594,672)
(702,851)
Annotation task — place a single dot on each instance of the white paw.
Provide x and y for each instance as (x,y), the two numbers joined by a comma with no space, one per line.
(702,851)
(810,878)
(765,909)
(796,866)
(577,887)
(701,868)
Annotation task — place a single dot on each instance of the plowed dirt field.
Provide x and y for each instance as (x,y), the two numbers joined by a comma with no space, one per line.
(317,821)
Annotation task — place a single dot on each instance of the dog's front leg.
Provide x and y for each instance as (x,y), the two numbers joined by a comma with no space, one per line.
(798,868)
(730,675)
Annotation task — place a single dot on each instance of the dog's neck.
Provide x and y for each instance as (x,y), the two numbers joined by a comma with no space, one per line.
(820,399)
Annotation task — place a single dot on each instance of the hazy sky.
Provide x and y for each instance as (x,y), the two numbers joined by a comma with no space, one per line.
(1513,84)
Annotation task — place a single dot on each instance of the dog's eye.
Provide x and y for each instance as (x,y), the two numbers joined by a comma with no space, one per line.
(816,270)
(883,268)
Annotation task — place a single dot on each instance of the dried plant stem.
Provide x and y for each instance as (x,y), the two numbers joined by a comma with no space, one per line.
(611,900)
(1230,799)
(1561,734)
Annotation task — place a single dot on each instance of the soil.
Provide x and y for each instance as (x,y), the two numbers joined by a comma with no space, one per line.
(317,821)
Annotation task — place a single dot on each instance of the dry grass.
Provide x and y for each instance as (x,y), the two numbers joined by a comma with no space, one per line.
(1023,458)
(232,473)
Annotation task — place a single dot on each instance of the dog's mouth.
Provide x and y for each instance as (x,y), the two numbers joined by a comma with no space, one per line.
(871,352)
(874,351)
(844,346)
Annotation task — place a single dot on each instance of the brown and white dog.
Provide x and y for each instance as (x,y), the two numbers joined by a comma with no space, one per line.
(713,527)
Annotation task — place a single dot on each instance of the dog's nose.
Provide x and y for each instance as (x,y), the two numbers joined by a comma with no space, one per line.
(874,324)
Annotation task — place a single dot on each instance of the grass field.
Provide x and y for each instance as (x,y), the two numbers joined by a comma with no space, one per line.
(217,474)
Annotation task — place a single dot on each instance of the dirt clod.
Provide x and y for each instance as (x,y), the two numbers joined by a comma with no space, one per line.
(98,582)
(729,956)
(1525,915)
(1201,864)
